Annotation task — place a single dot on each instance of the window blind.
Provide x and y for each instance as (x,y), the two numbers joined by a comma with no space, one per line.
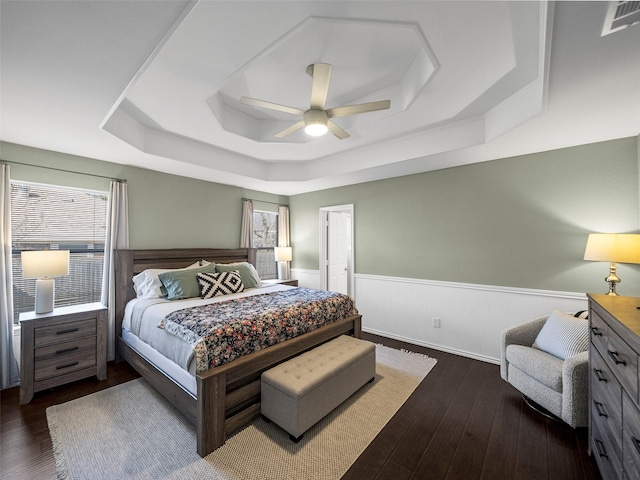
(46,217)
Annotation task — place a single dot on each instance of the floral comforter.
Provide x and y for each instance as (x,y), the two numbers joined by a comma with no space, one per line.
(221,332)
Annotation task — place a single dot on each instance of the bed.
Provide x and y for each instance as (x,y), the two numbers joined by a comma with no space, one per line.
(227,396)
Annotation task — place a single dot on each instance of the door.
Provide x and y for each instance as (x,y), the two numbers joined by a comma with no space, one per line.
(337,249)
(338,253)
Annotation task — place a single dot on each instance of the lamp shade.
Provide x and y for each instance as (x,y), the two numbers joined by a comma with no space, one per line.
(613,247)
(283,254)
(45,263)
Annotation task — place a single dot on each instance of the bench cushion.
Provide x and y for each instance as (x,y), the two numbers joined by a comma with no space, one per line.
(298,393)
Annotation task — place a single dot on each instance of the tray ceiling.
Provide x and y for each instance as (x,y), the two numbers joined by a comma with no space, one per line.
(459,87)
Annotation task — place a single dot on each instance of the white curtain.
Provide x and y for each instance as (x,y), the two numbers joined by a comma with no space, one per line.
(117,237)
(283,226)
(284,237)
(8,362)
(246,231)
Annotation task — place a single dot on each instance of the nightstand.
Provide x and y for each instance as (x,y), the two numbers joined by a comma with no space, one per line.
(283,281)
(62,346)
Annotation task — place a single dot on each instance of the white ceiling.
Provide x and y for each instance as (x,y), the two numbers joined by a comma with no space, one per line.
(157,84)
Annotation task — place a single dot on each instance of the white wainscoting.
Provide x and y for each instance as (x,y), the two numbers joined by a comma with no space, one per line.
(306,278)
(471,316)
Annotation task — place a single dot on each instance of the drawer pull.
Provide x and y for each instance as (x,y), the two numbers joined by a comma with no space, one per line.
(614,356)
(596,332)
(66,350)
(68,330)
(66,365)
(601,450)
(636,443)
(600,409)
(599,375)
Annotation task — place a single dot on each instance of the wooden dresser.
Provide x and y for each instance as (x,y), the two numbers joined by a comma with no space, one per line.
(62,346)
(614,416)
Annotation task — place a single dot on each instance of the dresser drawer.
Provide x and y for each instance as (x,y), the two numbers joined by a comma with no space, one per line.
(608,463)
(598,331)
(64,332)
(61,358)
(631,438)
(606,393)
(624,362)
(610,435)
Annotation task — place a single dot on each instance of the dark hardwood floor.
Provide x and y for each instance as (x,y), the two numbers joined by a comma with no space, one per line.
(462,422)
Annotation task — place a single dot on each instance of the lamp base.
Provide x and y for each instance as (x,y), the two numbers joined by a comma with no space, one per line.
(612,280)
(44,295)
(284,271)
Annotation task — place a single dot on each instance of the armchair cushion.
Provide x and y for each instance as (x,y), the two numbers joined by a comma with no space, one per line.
(563,335)
(545,368)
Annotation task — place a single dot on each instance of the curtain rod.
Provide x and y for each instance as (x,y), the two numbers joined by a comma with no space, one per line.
(264,201)
(122,180)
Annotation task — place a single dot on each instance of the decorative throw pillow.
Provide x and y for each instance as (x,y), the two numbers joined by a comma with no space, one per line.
(563,335)
(216,284)
(248,272)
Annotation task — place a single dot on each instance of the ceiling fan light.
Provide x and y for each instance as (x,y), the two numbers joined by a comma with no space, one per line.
(315,122)
(316,129)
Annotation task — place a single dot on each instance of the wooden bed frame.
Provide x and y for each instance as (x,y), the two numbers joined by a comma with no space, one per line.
(228,396)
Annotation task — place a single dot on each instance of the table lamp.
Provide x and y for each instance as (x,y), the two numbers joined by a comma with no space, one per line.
(613,248)
(283,257)
(43,264)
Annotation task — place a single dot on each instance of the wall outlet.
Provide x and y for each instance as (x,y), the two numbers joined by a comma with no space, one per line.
(436,322)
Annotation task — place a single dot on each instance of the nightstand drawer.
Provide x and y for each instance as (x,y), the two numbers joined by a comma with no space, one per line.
(62,358)
(282,281)
(64,332)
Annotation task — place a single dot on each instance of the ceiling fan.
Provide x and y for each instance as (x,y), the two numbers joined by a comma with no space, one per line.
(317,120)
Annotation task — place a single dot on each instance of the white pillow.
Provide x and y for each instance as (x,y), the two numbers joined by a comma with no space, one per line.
(147,284)
(563,335)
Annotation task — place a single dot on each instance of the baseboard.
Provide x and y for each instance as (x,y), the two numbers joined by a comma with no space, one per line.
(433,346)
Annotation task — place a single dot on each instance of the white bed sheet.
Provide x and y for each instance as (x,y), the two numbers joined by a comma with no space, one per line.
(169,353)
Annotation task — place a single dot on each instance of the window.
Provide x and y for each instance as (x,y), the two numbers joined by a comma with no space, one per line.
(265,237)
(58,218)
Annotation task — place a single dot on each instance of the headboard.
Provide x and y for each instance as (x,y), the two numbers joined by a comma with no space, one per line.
(131,262)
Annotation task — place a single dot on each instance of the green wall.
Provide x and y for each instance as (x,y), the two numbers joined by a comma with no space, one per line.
(165,211)
(519,222)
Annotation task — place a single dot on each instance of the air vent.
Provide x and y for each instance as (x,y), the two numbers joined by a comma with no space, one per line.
(621,15)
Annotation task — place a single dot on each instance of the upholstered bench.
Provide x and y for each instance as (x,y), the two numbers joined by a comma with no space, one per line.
(299,392)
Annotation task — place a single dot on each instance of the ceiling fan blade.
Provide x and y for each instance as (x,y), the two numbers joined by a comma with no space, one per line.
(290,129)
(321,75)
(360,108)
(254,102)
(337,131)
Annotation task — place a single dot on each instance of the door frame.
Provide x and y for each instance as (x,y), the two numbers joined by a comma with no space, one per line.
(324,245)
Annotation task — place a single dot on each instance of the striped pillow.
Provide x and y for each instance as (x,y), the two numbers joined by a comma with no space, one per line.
(563,335)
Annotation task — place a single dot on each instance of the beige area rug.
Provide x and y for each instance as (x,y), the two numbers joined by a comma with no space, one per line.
(131,432)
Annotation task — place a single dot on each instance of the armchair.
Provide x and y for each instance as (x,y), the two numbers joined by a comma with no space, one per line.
(559,386)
